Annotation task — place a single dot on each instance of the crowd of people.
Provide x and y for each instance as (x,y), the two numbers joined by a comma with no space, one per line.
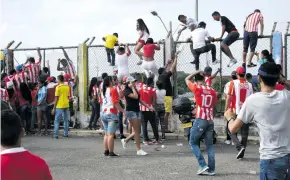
(124,99)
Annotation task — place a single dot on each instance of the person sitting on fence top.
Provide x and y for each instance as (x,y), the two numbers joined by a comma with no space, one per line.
(198,37)
(208,77)
(233,35)
(110,42)
(33,68)
(189,23)
(122,61)
(67,65)
(251,35)
(149,64)
(144,34)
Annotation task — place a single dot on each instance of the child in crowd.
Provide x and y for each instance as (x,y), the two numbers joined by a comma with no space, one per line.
(34,90)
(208,75)
(160,108)
(266,56)
(122,61)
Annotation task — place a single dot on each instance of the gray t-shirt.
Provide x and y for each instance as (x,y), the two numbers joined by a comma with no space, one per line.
(271,113)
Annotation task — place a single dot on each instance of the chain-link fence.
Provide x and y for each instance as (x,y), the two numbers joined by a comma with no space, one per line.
(49,55)
(287,56)
(98,62)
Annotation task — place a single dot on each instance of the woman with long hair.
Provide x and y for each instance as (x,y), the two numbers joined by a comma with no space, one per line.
(143,36)
(133,113)
(42,106)
(266,56)
(25,99)
(93,92)
(110,109)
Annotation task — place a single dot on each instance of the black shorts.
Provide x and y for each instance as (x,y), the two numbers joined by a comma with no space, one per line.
(250,39)
(231,38)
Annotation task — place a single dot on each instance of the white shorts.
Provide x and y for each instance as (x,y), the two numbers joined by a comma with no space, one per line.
(150,67)
(122,73)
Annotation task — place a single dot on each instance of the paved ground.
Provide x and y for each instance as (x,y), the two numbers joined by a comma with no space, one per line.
(80,158)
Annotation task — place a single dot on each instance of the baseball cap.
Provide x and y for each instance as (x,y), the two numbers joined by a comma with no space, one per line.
(130,79)
(49,79)
(240,70)
(19,67)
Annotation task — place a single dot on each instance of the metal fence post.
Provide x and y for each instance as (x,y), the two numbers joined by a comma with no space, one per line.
(221,76)
(43,58)
(286,54)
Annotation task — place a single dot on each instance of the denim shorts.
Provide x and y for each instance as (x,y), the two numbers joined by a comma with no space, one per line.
(110,122)
(231,38)
(133,115)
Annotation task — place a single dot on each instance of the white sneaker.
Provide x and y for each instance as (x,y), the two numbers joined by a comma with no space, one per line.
(124,144)
(233,143)
(216,62)
(141,153)
(202,170)
(228,142)
(232,62)
(139,62)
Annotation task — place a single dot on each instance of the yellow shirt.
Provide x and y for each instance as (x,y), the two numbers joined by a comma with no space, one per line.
(2,56)
(110,41)
(62,91)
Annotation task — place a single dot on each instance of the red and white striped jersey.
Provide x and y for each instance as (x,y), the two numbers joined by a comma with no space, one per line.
(33,71)
(70,69)
(252,21)
(205,98)
(147,94)
(240,90)
(9,81)
(70,89)
(21,77)
(139,85)
(4,95)
(110,98)
(96,93)
(207,81)
(100,92)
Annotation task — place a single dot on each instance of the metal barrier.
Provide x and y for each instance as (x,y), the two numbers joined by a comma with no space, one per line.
(52,54)
(287,56)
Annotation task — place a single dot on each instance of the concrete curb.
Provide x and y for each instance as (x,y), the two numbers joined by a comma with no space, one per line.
(169,136)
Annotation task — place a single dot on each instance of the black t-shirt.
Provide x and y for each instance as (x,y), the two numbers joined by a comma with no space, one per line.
(165,79)
(131,104)
(228,24)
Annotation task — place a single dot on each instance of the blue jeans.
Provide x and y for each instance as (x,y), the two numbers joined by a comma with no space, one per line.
(272,169)
(203,128)
(64,112)
(110,122)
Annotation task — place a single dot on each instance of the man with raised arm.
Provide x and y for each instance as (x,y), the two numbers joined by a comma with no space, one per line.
(33,68)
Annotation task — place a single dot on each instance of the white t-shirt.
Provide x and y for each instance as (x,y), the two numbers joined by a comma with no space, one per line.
(271,112)
(198,37)
(122,63)
(160,95)
(191,22)
(145,35)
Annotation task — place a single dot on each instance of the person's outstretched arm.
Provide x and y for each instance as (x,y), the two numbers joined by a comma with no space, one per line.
(215,74)
(65,53)
(39,55)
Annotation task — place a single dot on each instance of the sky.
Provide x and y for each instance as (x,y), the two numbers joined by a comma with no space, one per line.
(46,23)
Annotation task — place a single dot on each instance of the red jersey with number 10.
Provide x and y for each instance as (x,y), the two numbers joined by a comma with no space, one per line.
(205,98)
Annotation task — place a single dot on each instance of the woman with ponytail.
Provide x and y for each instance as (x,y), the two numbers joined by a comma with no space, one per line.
(110,109)
(266,56)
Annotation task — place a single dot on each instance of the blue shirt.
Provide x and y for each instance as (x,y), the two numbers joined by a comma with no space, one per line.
(41,95)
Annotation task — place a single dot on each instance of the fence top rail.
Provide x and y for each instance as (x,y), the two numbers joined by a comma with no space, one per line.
(48,48)
(241,38)
(130,44)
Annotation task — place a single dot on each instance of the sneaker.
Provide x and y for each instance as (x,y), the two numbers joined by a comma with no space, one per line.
(156,142)
(241,153)
(251,65)
(232,62)
(233,143)
(122,137)
(65,136)
(106,153)
(112,154)
(55,137)
(216,62)
(228,142)
(163,138)
(147,143)
(202,170)
(141,153)
(139,62)
(124,144)
(211,173)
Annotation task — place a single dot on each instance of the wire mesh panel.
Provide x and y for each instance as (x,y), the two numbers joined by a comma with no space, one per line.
(51,55)
(98,62)
(287,55)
